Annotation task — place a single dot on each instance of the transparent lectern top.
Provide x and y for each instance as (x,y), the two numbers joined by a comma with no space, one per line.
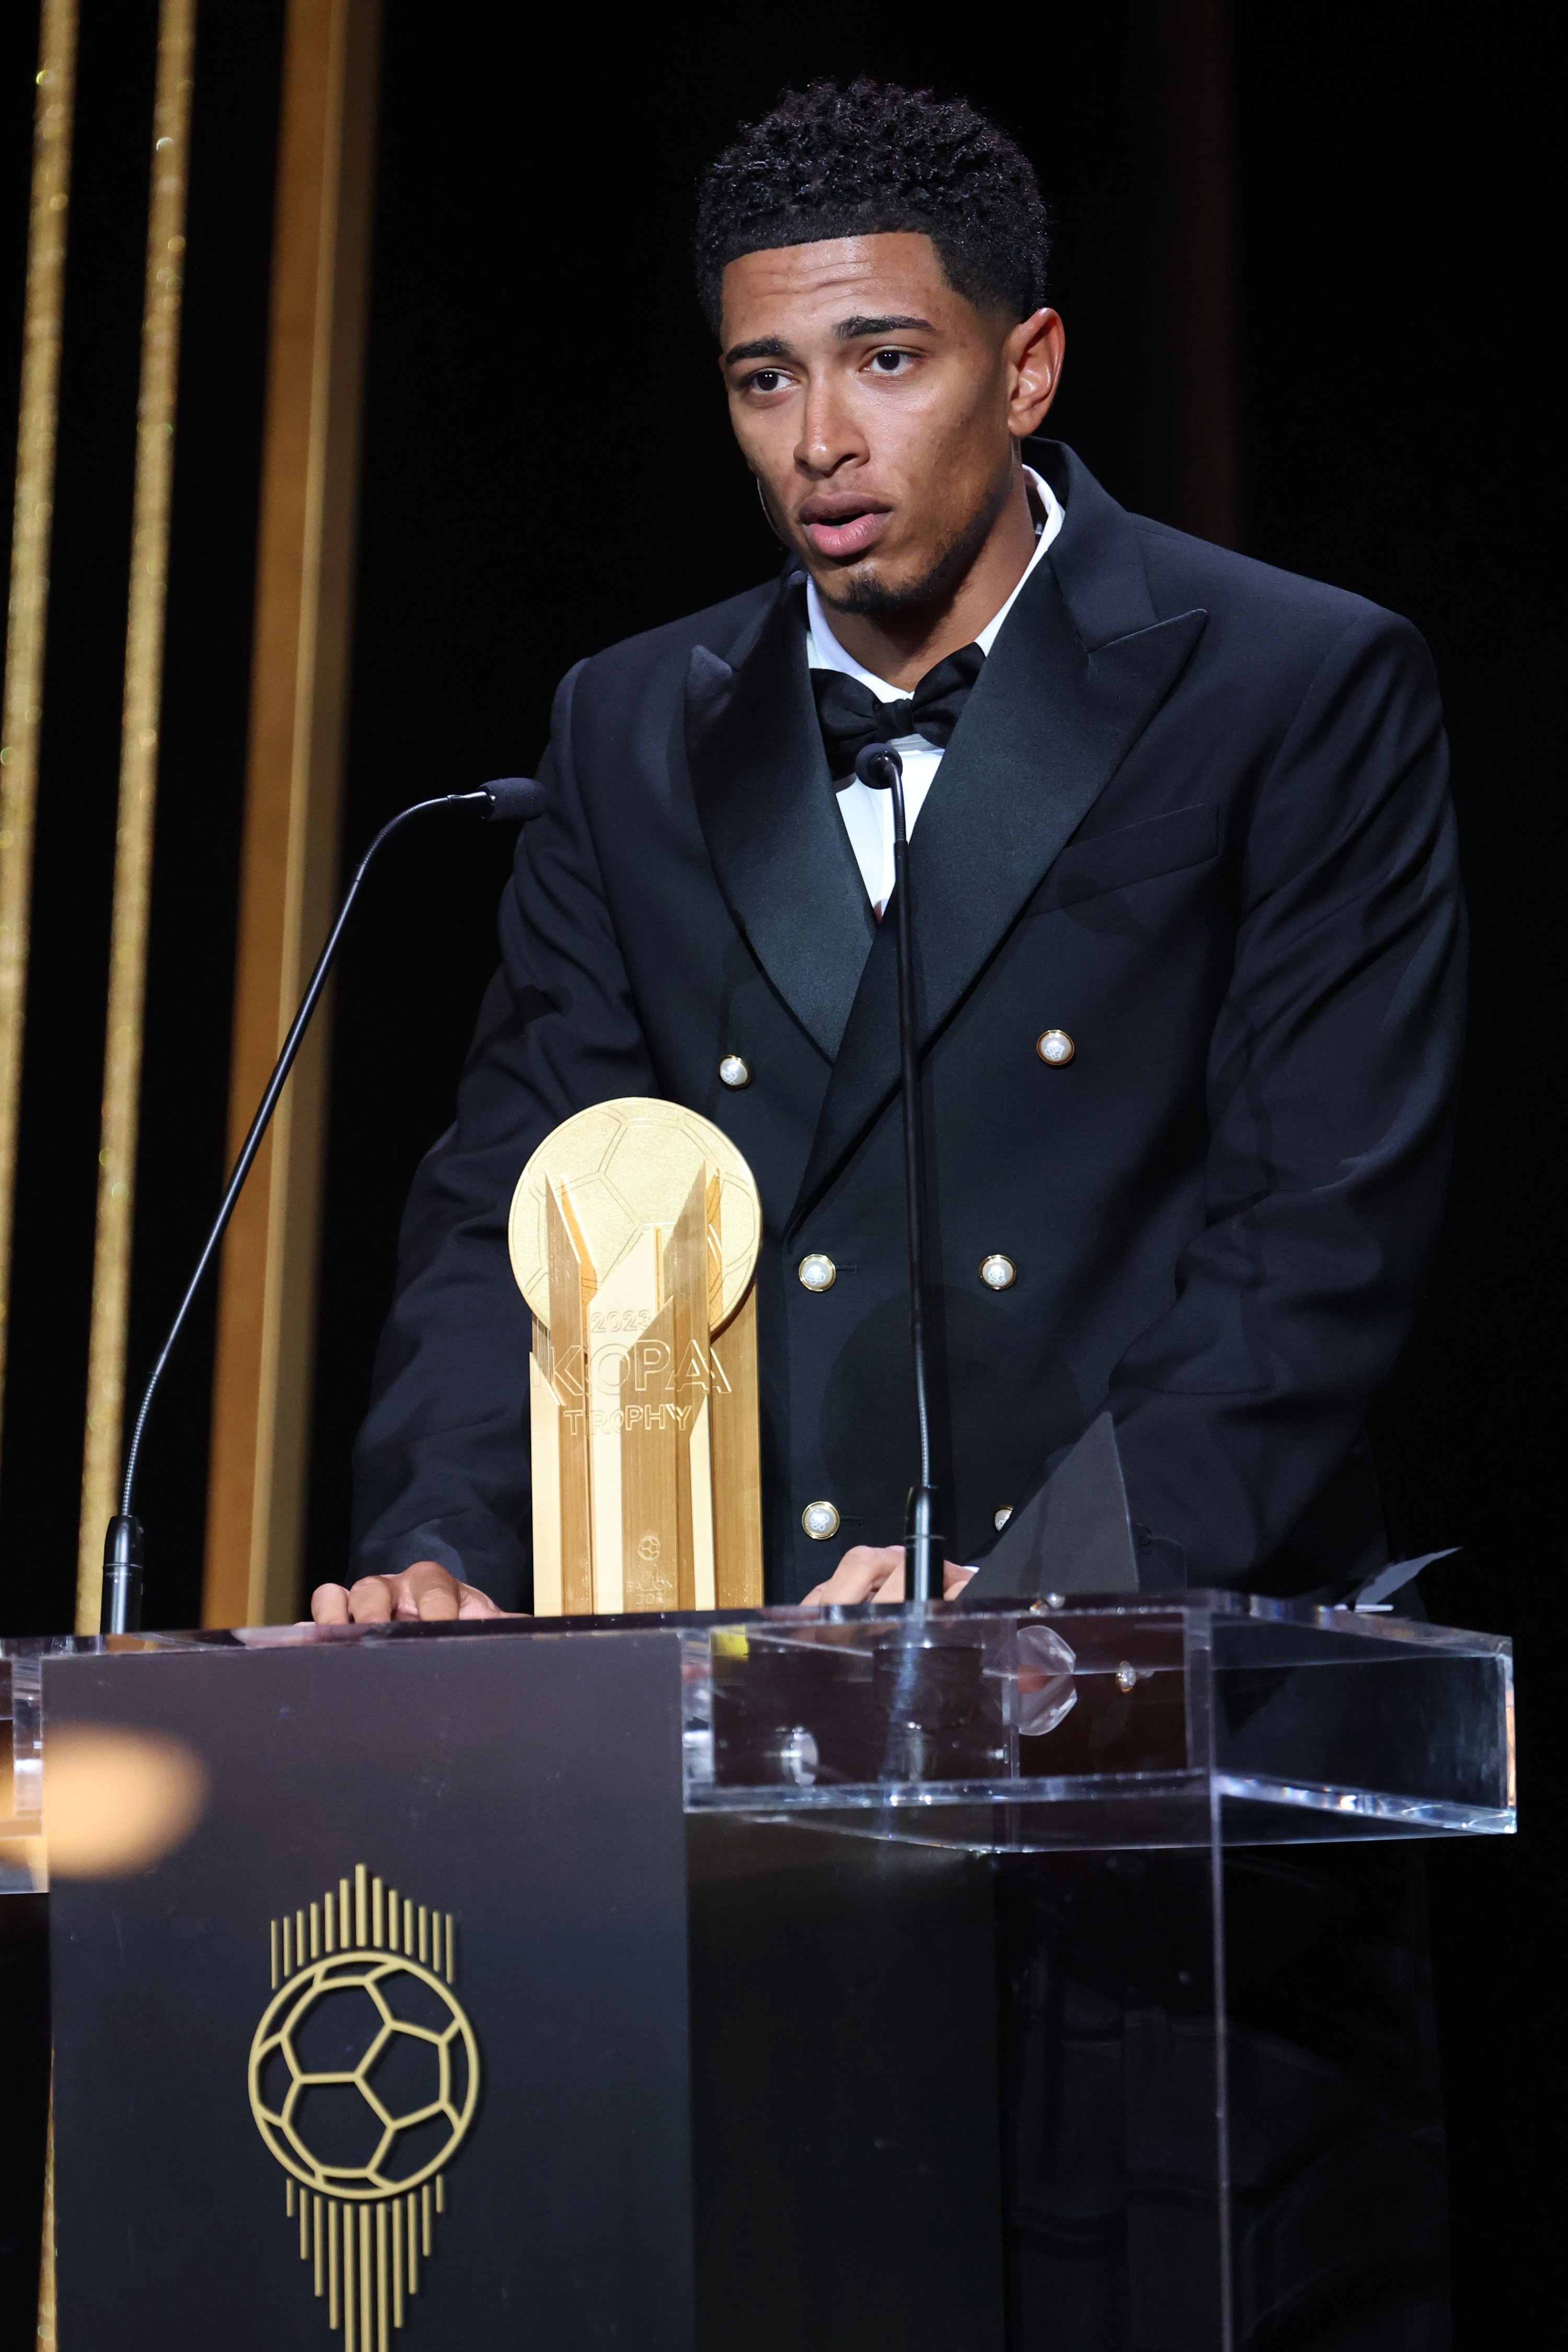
(1137,1723)
(1104,1724)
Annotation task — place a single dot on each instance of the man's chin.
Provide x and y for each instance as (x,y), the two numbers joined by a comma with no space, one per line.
(867,591)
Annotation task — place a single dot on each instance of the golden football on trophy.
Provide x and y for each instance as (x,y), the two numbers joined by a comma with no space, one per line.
(634,1236)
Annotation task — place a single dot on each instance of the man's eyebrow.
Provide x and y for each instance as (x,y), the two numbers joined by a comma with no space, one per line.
(848,331)
(851,331)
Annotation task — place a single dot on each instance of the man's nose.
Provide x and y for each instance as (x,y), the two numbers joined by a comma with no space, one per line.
(829,437)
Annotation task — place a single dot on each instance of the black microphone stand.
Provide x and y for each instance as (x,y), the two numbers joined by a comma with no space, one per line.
(512,798)
(879,766)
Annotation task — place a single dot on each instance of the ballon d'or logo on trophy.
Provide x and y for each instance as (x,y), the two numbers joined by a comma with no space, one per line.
(364,2075)
(634,1235)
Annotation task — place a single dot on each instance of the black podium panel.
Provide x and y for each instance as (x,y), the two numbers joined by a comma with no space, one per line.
(529,1790)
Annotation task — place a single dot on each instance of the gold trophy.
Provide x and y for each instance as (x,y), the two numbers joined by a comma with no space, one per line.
(634,1237)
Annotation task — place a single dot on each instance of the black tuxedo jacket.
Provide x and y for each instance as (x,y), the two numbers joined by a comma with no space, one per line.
(1195,814)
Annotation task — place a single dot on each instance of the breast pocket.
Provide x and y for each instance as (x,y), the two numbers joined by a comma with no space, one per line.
(1134,853)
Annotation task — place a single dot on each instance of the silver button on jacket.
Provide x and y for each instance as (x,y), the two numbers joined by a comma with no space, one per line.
(816,1271)
(734,1072)
(998,1273)
(820,1520)
(1054,1047)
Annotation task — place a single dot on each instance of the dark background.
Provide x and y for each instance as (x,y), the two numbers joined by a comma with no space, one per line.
(547,468)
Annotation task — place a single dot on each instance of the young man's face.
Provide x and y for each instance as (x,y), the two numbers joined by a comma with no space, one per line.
(878,410)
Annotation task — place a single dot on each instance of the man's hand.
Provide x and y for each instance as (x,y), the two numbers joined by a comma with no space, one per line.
(426,1590)
(876,1572)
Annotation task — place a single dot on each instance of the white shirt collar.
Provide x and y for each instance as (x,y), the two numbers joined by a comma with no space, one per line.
(823,650)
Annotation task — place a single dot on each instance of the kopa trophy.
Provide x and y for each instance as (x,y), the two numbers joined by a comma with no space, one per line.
(634,1236)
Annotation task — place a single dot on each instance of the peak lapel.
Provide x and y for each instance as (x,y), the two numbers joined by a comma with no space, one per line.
(1047,726)
(766,803)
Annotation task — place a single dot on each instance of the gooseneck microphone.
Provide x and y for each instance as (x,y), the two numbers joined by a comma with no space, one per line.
(509,799)
(879,766)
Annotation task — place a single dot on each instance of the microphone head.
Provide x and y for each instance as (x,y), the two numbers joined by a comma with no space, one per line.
(878,765)
(514,799)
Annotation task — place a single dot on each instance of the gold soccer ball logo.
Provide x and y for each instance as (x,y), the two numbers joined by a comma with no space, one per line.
(363,2079)
(364,2076)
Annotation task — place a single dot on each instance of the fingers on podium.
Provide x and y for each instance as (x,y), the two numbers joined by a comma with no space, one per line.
(370,1600)
(866,1572)
(472,1602)
(435,1603)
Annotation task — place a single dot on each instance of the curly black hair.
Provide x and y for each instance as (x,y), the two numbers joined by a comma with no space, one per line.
(858,162)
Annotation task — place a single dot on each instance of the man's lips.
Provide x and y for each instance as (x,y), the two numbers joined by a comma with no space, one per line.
(842,526)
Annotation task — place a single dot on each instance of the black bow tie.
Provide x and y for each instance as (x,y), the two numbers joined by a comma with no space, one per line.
(852,716)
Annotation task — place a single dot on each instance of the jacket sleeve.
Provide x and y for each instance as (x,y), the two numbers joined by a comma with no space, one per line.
(441,1466)
(1332,1081)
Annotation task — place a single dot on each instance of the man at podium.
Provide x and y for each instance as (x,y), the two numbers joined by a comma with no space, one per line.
(1191,942)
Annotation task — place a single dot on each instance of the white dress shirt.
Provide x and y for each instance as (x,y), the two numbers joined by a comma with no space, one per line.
(868,814)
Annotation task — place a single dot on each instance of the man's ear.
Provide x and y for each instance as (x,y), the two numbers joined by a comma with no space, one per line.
(1034,352)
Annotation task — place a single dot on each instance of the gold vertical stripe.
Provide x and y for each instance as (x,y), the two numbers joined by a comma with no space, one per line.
(413,2234)
(345,1918)
(274,1925)
(289,2195)
(440,2192)
(288,1939)
(425,1935)
(299,1940)
(381,2281)
(350,2281)
(304,2225)
(451,1949)
(424,2230)
(408,1926)
(48,2336)
(397,2261)
(366,2284)
(315,1931)
(334,2312)
(361,1937)
(377,1914)
(329,1915)
(261,1388)
(316,2245)
(27,613)
(141,714)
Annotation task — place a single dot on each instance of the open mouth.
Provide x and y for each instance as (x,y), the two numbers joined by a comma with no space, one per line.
(843,528)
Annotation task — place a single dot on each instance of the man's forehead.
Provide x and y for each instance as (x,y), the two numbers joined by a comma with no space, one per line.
(814,279)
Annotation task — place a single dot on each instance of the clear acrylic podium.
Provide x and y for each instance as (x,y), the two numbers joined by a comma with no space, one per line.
(979,1979)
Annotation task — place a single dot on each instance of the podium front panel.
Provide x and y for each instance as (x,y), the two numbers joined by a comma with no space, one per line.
(529,1794)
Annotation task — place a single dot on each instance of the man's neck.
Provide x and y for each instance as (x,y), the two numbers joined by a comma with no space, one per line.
(901,647)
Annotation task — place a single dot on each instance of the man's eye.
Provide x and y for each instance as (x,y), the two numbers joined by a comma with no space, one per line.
(765,380)
(888,362)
